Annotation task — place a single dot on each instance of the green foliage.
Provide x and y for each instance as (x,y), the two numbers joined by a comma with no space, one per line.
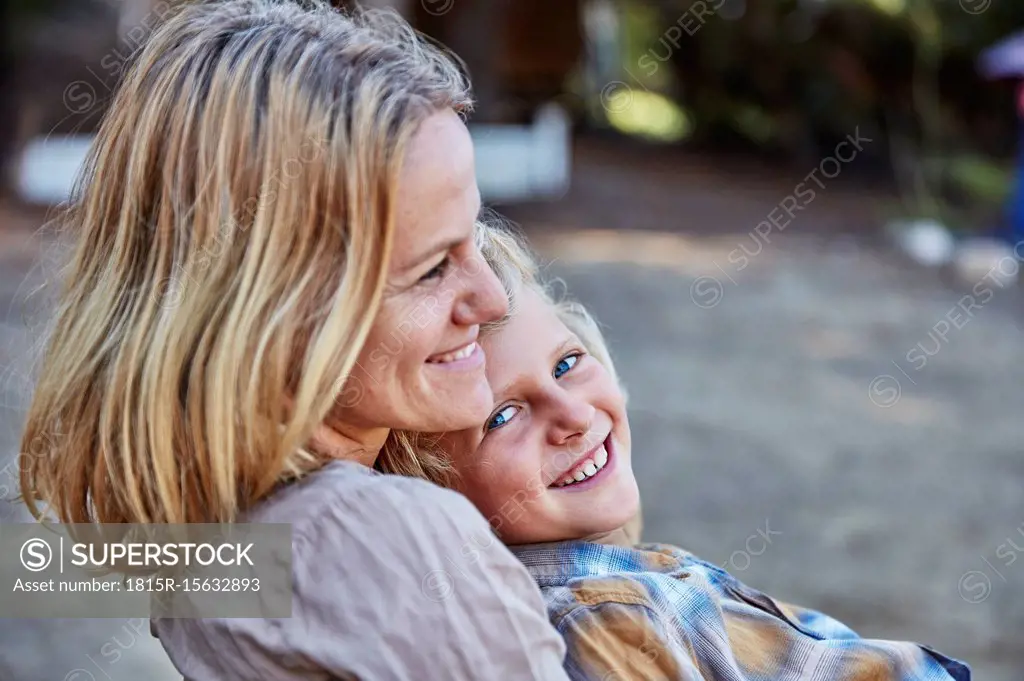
(980,177)
(796,76)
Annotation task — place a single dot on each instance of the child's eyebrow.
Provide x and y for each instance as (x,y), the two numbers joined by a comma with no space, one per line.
(555,355)
(569,341)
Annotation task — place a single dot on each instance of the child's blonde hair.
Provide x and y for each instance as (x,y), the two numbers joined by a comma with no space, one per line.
(505,251)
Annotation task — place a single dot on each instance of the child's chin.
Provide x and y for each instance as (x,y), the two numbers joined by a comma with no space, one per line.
(626,505)
(610,518)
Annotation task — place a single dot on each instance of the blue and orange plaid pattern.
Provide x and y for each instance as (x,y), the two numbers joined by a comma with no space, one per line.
(658,612)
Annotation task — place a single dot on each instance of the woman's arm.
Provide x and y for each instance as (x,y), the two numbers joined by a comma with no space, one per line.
(397,579)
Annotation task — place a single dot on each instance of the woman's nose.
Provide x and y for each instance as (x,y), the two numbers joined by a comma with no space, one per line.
(571,417)
(483,299)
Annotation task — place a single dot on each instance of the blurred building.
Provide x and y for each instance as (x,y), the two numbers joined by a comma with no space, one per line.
(69,56)
(518,53)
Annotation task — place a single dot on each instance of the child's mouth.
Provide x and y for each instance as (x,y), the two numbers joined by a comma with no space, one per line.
(590,470)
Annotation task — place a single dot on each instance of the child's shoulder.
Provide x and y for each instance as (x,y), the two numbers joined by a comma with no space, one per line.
(648,577)
(626,595)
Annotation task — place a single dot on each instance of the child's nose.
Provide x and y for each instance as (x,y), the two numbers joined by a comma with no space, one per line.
(572,417)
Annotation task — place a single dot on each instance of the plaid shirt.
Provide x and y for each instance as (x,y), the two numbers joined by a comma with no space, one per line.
(658,612)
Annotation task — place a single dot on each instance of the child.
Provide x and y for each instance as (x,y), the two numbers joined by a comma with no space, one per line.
(551,469)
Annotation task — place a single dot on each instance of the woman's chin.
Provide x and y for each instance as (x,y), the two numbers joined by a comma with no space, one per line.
(463,410)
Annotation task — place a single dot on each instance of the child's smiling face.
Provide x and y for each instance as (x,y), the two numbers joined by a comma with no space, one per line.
(559,416)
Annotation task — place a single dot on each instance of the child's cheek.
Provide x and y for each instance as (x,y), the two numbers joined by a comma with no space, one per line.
(535,487)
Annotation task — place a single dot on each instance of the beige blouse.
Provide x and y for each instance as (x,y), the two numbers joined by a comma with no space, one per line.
(394,578)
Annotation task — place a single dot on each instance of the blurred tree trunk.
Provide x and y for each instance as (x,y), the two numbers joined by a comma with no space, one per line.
(518,54)
(9,101)
(475,31)
(544,44)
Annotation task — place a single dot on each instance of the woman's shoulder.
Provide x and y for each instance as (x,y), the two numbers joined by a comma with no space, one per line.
(360,500)
(381,557)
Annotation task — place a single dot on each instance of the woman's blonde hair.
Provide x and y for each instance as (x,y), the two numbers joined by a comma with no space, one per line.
(507,254)
(234,222)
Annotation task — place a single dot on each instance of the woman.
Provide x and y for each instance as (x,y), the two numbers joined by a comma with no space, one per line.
(275,266)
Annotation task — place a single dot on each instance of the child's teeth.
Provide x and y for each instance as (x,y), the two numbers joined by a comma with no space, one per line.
(587,469)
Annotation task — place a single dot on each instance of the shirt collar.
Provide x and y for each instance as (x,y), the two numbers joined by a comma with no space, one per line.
(555,563)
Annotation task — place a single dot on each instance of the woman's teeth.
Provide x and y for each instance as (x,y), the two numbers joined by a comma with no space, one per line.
(461,353)
(586,469)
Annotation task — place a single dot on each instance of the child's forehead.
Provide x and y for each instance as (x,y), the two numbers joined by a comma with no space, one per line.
(531,333)
(531,316)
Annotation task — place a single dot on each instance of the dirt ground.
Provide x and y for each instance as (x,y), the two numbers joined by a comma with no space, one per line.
(784,424)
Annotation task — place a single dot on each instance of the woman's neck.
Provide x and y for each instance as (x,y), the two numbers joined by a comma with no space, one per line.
(341,441)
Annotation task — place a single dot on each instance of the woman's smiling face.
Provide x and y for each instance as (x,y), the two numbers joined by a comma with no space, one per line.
(552,461)
(421,368)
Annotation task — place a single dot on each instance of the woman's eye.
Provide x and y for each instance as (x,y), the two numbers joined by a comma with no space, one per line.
(502,417)
(565,364)
(437,270)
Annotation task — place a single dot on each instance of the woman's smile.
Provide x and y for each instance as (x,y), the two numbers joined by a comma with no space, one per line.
(469,356)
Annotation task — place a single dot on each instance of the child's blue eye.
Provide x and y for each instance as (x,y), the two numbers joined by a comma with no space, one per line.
(502,417)
(565,364)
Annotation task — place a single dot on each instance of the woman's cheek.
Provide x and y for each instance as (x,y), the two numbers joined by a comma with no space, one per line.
(447,295)
(380,356)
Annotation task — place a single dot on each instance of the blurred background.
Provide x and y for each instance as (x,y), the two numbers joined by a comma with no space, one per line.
(797,221)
